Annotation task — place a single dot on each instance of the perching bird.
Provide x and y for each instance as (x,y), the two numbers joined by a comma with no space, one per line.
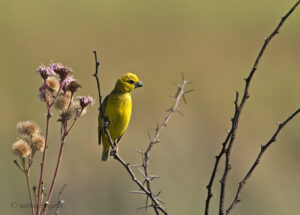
(117,108)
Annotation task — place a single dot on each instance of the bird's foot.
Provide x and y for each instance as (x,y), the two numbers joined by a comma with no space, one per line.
(114,150)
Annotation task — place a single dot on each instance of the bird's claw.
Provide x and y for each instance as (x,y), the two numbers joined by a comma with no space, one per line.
(114,151)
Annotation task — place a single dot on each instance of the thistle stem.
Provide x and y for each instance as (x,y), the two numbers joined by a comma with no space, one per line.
(55,173)
(43,161)
(29,191)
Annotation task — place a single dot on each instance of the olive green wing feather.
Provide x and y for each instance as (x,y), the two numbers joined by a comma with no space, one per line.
(119,138)
(102,109)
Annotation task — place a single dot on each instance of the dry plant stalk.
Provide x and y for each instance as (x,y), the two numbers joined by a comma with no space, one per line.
(57,90)
(145,184)
(229,140)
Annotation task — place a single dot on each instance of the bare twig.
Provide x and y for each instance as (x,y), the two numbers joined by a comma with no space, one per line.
(97,78)
(97,63)
(218,157)
(17,164)
(257,160)
(229,140)
(239,108)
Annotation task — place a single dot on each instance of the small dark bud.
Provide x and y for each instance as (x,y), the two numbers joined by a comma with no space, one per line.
(73,87)
(85,101)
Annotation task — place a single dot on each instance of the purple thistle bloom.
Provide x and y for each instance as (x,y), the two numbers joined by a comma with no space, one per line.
(67,81)
(85,101)
(45,71)
(61,70)
(56,66)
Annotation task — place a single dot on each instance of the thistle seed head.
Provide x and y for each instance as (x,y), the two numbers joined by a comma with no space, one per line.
(52,84)
(21,148)
(28,128)
(38,143)
(63,101)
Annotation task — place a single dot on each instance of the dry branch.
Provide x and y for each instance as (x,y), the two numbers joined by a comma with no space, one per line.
(257,160)
(229,140)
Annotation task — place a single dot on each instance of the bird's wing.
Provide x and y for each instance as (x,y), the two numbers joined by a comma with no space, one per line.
(101,118)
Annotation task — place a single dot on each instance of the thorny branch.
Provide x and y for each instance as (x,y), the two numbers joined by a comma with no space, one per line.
(146,155)
(227,144)
(257,160)
(144,189)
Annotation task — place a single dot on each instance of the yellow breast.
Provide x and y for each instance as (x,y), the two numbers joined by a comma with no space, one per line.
(118,111)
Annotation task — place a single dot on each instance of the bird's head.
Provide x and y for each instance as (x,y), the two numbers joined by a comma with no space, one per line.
(127,83)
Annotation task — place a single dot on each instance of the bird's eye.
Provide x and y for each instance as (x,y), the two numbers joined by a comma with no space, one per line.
(131,81)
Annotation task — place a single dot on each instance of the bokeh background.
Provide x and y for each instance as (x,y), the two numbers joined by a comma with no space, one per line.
(214,43)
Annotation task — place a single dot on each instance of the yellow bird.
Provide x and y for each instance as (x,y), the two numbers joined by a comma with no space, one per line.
(116,108)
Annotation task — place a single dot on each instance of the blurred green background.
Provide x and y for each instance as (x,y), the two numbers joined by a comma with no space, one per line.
(213,42)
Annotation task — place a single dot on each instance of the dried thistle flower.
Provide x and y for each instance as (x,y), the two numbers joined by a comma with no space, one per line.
(52,84)
(21,148)
(45,71)
(73,86)
(47,90)
(85,101)
(63,100)
(28,128)
(71,113)
(38,143)
(61,70)
(76,110)
(45,94)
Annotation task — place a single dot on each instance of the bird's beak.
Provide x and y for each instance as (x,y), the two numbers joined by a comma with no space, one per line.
(139,84)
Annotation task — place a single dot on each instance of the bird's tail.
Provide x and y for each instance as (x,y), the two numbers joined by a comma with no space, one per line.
(104,156)
(105,152)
